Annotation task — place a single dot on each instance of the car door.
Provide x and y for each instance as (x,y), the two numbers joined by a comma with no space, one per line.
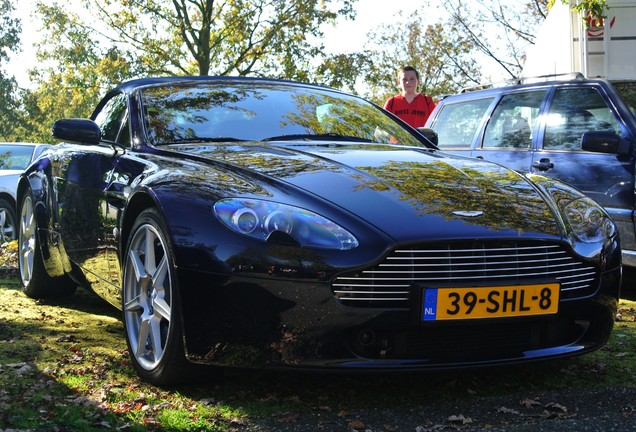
(607,177)
(92,197)
(510,133)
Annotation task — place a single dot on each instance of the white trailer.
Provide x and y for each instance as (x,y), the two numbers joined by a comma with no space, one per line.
(605,47)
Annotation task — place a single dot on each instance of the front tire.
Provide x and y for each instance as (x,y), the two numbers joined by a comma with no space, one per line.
(36,281)
(151,307)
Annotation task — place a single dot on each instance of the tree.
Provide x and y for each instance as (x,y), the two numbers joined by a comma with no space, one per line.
(585,7)
(501,31)
(443,57)
(76,70)
(81,58)
(9,42)
(222,37)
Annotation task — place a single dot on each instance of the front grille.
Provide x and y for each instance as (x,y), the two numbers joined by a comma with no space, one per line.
(390,283)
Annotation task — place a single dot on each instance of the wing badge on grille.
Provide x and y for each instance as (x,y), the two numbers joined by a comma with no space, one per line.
(466,213)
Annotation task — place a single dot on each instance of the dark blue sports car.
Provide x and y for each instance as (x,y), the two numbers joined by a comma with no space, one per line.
(264,223)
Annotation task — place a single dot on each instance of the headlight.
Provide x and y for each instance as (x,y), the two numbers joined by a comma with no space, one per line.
(259,219)
(589,222)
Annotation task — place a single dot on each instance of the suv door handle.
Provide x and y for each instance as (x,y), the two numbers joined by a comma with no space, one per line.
(544,164)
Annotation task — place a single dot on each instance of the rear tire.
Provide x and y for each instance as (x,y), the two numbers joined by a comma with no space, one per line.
(8,222)
(36,282)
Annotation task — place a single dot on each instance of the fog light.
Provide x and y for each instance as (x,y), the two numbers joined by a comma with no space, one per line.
(366,337)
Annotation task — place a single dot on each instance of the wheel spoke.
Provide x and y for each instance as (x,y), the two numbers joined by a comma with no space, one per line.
(149,252)
(142,337)
(3,220)
(137,265)
(159,276)
(161,308)
(155,337)
(134,305)
(27,260)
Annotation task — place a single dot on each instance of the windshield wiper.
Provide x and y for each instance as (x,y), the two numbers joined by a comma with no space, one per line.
(203,140)
(317,137)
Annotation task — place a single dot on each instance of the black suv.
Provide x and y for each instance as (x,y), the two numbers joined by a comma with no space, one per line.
(580,131)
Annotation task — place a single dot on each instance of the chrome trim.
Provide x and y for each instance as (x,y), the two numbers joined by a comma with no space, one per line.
(502,262)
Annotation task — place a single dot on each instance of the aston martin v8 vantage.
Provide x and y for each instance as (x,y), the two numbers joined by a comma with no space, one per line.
(244,222)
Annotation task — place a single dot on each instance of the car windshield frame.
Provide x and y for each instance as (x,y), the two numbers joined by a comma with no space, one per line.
(236,111)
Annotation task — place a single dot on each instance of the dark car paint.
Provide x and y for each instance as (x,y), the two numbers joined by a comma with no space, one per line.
(354,190)
(607,177)
(250,302)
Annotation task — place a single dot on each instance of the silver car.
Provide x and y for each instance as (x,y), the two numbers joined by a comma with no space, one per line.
(14,158)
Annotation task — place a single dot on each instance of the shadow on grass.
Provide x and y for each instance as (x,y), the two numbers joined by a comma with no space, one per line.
(64,367)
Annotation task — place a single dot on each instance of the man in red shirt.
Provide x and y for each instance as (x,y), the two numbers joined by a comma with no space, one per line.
(410,105)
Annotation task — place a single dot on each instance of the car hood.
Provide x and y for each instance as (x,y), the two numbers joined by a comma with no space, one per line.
(405,192)
(10,172)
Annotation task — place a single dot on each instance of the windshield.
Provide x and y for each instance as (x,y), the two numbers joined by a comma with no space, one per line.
(258,112)
(13,157)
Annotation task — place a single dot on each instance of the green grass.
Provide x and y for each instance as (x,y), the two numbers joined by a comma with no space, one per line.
(64,365)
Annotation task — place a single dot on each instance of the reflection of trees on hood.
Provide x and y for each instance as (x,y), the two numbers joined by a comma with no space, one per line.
(276,161)
(203,181)
(437,187)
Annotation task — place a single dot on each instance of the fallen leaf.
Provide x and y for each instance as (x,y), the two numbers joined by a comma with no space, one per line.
(236,421)
(529,403)
(355,424)
(151,422)
(556,407)
(507,410)
(288,418)
(460,419)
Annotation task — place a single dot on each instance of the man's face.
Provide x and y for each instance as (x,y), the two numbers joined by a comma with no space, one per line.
(409,81)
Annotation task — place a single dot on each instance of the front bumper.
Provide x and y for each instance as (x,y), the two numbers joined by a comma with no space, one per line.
(272,322)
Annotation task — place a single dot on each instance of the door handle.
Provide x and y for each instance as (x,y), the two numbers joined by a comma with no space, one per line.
(544,164)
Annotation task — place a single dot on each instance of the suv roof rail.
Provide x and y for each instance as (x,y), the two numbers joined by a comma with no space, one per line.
(524,80)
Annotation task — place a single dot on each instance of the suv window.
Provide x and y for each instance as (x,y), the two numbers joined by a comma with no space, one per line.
(513,121)
(457,124)
(574,111)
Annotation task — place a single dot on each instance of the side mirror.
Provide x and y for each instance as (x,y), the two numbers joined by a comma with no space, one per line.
(77,130)
(605,142)
(429,134)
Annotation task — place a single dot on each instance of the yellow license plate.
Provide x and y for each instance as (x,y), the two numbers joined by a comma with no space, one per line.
(490,302)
